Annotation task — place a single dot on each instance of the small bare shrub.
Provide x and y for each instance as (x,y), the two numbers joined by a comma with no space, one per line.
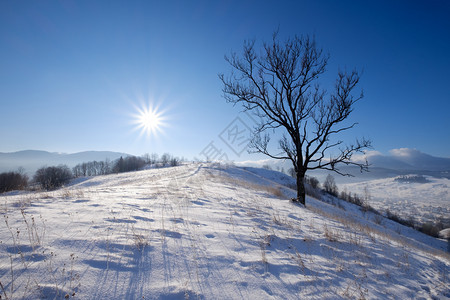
(331,235)
(430,229)
(354,238)
(139,241)
(35,237)
(266,239)
(276,191)
(378,219)
(66,194)
(298,258)
(79,193)
(276,218)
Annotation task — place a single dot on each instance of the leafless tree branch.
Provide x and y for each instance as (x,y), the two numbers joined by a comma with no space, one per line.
(281,86)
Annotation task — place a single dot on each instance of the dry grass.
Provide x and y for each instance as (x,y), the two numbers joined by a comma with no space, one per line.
(378,219)
(263,244)
(299,260)
(332,235)
(375,234)
(276,190)
(139,241)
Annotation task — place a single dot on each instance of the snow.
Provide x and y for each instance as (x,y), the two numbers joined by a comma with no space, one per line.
(426,202)
(206,231)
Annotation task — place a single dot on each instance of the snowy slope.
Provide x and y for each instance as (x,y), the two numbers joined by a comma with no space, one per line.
(426,202)
(205,231)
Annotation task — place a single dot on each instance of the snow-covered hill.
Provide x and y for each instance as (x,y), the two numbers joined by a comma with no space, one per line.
(426,201)
(205,231)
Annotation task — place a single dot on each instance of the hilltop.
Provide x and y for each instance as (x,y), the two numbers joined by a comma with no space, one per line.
(206,231)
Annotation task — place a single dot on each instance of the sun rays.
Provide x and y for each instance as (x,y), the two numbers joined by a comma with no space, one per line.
(149,120)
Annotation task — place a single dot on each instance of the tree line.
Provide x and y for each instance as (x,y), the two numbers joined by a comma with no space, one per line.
(53,177)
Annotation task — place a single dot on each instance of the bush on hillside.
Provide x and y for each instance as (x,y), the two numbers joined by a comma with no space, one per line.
(10,181)
(51,178)
(431,229)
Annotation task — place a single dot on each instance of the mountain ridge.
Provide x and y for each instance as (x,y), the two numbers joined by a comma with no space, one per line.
(408,159)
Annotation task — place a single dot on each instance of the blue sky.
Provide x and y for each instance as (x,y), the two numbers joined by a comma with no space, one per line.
(72,73)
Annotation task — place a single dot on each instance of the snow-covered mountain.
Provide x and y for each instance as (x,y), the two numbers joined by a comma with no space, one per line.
(31,160)
(402,161)
(408,159)
(205,231)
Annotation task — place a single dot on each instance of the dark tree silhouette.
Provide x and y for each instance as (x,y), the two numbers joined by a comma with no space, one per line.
(10,181)
(128,164)
(119,167)
(165,159)
(53,177)
(280,86)
(330,186)
(92,168)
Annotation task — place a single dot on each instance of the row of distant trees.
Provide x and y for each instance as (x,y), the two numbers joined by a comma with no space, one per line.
(49,178)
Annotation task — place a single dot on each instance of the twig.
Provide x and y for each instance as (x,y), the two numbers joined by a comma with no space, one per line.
(3,289)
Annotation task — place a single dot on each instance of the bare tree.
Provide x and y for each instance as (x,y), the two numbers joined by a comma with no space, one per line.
(147,158)
(280,86)
(154,158)
(330,186)
(10,181)
(312,181)
(165,159)
(53,177)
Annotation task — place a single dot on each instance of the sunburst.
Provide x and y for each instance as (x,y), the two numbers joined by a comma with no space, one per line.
(149,120)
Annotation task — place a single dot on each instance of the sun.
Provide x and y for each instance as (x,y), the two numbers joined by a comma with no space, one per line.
(149,120)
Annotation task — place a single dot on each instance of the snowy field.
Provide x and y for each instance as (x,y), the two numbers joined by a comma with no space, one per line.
(425,202)
(204,231)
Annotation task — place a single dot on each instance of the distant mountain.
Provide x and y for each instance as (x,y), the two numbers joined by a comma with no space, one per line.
(31,160)
(402,161)
(409,159)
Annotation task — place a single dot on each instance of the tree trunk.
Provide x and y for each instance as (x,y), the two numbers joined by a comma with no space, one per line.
(301,186)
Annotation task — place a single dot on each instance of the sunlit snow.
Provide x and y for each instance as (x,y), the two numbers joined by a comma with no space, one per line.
(205,231)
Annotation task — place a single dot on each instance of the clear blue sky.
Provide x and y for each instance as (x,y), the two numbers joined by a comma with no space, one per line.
(73,72)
